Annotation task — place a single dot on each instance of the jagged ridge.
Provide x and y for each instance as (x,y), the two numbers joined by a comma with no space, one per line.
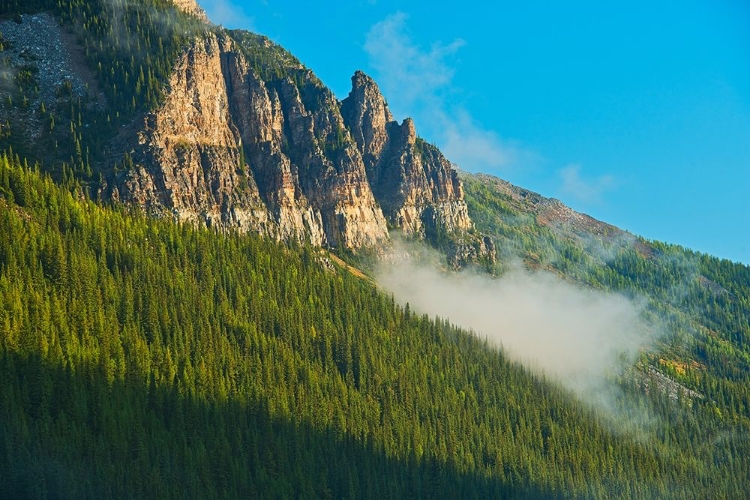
(264,146)
(244,137)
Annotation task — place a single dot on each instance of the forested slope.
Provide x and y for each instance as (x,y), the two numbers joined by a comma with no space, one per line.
(143,358)
(701,302)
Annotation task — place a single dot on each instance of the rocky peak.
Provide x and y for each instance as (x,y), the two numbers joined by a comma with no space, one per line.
(407,133)
(246,138)
(191,7)
(235,151)
(367,116)
(417,188)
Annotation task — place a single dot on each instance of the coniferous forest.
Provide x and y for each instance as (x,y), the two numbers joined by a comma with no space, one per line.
(141,358)
(144,358)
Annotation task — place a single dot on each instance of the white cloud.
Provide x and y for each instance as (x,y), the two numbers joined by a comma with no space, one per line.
(577,336)
(417,82)
(582,189)
(474,148)
(404,69)
(227,13)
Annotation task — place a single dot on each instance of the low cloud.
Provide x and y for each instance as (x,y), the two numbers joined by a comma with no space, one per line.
(584,190)
(574,335)
(418,82)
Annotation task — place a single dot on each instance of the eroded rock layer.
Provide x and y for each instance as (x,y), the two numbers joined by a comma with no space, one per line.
(238,145)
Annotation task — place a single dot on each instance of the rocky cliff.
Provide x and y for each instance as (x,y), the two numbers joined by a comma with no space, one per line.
(235,151)
(417,188)
(279,155)
(237,134)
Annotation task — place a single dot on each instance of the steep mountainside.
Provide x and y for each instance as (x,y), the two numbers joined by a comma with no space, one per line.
(238,134)
(234,151)
(414,183)
(702,303)
(143,358)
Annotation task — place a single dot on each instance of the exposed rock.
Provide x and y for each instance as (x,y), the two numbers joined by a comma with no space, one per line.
(188,159)
(191,7)
(470,249)
(666,385)
(367,115)
(333,180)
(40,52)
(233,151)
(260,121)
(415,185)
(246,138)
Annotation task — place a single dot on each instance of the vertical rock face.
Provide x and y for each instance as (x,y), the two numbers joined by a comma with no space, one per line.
(237,145)
(188,159)
(417,188)
(332,175)
(367,116)
(233,151)
(258,115)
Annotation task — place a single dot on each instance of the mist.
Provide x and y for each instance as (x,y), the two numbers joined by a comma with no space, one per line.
(574,335)
(164,21)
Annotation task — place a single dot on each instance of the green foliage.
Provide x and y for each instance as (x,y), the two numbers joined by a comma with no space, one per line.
(428,152)
(703,302)
(270,61)
(131,47)
(142,358)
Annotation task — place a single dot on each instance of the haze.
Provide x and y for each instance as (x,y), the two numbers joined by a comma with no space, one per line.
(571,334)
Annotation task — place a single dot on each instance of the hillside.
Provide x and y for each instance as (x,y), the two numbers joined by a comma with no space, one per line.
(182,212)
(702,301)
(145,358)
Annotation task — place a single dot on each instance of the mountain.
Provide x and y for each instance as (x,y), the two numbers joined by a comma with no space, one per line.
(237,134)
(701,303)
(173,322)
(145,359)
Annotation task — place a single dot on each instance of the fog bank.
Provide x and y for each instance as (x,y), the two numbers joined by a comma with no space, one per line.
(573,334)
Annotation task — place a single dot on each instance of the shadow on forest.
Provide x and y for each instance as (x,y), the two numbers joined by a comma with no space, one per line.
(70,435)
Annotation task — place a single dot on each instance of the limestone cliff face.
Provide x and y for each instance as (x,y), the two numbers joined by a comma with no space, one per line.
(188,159)
(418,189)
(233,151)
(237,145)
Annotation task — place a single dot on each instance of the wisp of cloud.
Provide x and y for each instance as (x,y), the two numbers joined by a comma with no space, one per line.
(418,82)
(584,190)
(575,335)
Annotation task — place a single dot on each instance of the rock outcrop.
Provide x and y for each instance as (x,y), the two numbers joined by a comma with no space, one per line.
(244,138)
(417,188)
(237,146)
(191,7)
(233,151)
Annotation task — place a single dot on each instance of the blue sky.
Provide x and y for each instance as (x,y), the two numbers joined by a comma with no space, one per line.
(636,113)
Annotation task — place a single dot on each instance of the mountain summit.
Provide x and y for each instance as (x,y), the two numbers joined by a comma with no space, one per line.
(227,129)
